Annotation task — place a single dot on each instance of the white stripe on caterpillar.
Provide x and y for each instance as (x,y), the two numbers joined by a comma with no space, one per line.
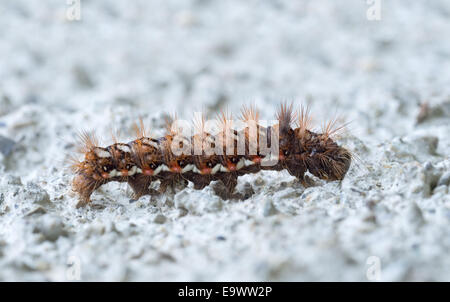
(240,164)
(160,168)
(102,153)
(187,168)
(150,142)
(124,148)
(216,169)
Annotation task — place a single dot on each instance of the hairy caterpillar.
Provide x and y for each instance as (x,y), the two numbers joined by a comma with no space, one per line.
(224,155)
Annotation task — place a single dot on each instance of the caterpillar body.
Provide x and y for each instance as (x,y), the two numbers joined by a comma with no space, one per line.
(236,152)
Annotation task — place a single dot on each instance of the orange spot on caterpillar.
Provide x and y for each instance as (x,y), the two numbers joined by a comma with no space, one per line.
(231,166)
(124,172)
(206,171)
(176,169)
(256,159)
(148,172)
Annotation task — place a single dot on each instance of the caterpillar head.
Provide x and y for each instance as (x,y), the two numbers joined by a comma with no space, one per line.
(91,173)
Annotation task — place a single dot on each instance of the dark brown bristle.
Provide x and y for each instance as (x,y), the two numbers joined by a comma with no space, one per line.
(285,117)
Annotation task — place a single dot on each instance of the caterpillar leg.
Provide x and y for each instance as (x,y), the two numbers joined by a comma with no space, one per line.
(227,187)
(298,169)
(140,186)
(306,182)
(85,186)
(200,185)
(171,184)
(82,202)
(164,185)
(200,181)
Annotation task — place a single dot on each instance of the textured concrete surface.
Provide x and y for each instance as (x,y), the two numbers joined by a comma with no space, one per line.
(388,220)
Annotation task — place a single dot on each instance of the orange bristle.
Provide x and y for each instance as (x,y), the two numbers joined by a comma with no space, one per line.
(171,125)
(333,127)
(249,113)
(87,141)
(140,130)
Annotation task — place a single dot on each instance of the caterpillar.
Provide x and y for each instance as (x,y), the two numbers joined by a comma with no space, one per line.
(221,154)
